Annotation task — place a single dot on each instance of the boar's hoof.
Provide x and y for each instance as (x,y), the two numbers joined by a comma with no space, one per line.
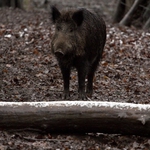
(89,93)
(82,96)
(59,53)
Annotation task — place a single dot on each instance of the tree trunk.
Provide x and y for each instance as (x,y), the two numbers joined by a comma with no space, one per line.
(128,17)
(146,17)
(4,3)
(119,11)
(147,25)
(77,117)
(12,3)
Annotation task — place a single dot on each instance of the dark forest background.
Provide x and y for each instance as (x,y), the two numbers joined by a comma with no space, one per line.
(125,12)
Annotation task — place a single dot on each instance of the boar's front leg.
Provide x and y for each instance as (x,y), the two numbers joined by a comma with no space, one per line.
(66,78)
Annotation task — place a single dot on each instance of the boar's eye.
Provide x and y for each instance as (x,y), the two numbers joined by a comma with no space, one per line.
(71,30)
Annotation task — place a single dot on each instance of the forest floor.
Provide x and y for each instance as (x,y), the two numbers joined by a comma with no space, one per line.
(29,72)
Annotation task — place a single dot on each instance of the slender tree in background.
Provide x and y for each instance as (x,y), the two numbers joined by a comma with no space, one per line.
(133,12)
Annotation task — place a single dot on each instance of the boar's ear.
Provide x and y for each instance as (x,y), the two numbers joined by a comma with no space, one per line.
(55,13)
(78,17)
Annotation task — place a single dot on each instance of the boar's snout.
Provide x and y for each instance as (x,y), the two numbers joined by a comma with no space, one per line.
(59,53)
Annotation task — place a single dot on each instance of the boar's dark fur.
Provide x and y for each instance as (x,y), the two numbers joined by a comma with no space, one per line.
(78,42)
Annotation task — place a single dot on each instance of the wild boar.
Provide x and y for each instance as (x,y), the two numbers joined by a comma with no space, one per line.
(78,42)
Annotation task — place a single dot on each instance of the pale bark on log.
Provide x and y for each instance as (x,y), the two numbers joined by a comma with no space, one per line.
(77,117)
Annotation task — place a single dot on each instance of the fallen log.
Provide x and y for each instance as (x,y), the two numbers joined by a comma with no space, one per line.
(77,117)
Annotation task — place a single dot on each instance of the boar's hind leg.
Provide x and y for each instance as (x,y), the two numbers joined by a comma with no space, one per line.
(81,82)
(66,78)
(82,71)
(90,76)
